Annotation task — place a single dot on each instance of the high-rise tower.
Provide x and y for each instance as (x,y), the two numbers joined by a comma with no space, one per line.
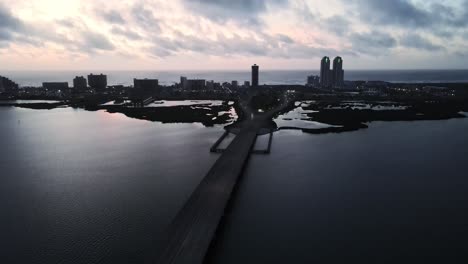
(255,75)
(325,74)
(338,73)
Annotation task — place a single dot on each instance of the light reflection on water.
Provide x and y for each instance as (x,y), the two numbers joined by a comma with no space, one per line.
(298,118)
(94,187)
(28,101)
(88,187)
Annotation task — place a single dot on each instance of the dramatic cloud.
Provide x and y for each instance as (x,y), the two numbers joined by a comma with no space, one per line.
(285,38)
(418,42)
(7,20)
(112,17)
(374,42)
(94,41)
(226,33)
(145,17)
(9,25)
(337,24)
(246,12)
(126,33)
(428,15)
(401,12)
(5,35)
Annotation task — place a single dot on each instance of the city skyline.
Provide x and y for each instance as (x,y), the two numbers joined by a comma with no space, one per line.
(230,35)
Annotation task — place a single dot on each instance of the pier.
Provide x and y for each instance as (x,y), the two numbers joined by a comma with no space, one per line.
(215,148)
(143,102)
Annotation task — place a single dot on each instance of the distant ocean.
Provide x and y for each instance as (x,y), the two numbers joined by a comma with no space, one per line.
(35,78)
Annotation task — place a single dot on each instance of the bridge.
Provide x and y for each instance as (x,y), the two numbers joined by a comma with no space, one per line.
(189,236)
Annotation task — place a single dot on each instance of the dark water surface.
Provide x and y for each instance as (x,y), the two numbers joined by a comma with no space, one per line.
(93,187)
(394,193)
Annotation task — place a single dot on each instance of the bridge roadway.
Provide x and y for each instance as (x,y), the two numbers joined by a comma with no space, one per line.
(189,236)
(193,229)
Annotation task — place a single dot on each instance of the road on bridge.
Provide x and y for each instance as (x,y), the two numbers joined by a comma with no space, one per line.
(189,236)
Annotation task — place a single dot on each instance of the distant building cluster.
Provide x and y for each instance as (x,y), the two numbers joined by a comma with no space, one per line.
(329,78)
(80,83)
(205,85)
(95,89)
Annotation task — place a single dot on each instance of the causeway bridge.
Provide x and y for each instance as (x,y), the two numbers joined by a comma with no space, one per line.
(189,236)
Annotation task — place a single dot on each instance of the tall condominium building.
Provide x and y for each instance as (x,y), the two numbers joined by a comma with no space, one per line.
(183,82)
(338,73)
(80,83)
(325,73)
(97,81)
(7,84)
(255,69)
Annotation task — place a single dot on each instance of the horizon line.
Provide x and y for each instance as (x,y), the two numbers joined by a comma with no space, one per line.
(221,70)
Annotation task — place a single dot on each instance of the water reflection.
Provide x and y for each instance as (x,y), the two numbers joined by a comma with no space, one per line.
(297,118)
(87,187)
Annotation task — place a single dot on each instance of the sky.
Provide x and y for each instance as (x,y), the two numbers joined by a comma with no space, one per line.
(232,34)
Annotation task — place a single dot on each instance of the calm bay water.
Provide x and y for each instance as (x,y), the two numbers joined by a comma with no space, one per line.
(394,193)
(93,187)
(35,78)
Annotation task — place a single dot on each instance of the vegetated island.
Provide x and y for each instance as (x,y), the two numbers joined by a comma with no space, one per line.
(344,117)
(343,111)
(204,113)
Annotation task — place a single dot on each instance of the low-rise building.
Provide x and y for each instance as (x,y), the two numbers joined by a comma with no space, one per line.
(195,84)
(313,81)
(80,83)
(147,85)
(55,85)
(234,84)
(210,85)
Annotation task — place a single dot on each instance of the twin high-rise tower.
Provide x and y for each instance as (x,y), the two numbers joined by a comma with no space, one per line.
(333,78)
(325,76)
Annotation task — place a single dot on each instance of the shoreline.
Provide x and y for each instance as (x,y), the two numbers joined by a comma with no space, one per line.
(341,120)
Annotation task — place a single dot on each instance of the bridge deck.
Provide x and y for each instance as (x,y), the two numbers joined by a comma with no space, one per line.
(191,232)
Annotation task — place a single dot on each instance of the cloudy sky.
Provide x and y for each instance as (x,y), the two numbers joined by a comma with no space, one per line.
(231,34)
